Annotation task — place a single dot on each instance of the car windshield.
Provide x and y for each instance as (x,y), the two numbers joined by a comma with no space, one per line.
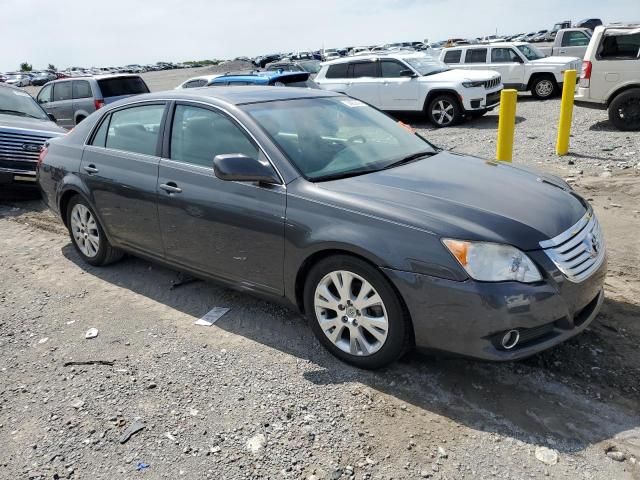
(330,138)
(311,66)
(427,65)
(531,52)
(19,103)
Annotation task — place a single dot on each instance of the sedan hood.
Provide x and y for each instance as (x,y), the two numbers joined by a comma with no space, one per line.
(460,75)
(8,121)
(463,197)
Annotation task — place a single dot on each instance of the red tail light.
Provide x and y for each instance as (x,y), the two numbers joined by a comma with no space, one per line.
(585,74)
(98,104)
(43,153)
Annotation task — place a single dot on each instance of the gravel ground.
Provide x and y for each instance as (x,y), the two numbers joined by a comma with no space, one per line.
(255,396)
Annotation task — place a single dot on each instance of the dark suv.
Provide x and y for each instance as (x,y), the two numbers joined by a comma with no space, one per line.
(72,100)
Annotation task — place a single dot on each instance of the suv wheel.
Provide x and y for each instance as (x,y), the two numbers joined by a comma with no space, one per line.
(624,110)
(87,234)
(544,87)
(355,313)
(444,111)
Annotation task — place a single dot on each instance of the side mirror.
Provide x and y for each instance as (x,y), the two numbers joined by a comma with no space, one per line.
(407,73)
(52,117)
(240,168)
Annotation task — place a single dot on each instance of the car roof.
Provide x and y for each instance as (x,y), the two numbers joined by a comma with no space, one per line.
(375,56)
(484,45)
(98,77)
(262,77)
(235,95)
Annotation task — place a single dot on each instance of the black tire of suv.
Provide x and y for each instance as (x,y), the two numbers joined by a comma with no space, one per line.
(106,253)
(624,110)
(399,339)
(448,99)
(539,80)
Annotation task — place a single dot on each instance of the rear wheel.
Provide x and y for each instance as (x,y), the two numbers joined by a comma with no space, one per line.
(355,313)
(444,110)
(624,110)
(87,234)
(544,87)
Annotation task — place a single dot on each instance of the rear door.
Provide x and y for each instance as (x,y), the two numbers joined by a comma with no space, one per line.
(83,103)
(233,230)
(616,62)
(61,105)
(113,89)
(120,167)
(510,65)
(364,82)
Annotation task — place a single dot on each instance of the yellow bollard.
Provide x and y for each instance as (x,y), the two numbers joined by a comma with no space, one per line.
(506,124)
(566,112)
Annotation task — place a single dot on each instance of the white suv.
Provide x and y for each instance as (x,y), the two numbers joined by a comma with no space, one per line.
(610,76)
(413,82)
(522,66)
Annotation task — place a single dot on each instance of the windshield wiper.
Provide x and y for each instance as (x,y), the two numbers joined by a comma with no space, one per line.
(410,158)
(17,112)
(338,176)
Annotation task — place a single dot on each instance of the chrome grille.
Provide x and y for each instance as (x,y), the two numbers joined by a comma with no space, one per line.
(579,251)
(493,83)
(21,147)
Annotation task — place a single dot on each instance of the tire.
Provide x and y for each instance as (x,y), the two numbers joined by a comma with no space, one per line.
(624,110)
(80,119)
(544,87)
(368,337)
(87,235)
(444,111)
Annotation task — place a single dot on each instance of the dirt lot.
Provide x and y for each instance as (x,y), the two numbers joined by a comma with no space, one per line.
(255,396)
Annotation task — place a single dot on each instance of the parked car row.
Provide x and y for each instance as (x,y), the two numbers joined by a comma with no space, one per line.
(25,79)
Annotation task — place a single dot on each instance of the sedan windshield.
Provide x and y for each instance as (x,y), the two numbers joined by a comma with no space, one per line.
(427,65)
(531,52)
(19,103)
(329,138)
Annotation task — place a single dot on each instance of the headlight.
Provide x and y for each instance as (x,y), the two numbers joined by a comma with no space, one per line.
(473,84)
(493,262)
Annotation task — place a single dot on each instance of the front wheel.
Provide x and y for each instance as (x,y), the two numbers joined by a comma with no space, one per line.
(87,234)
(544,88)
(355,312)
(624,110)
(444,111)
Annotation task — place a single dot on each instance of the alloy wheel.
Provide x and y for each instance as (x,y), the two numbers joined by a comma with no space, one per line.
(443,112)
(85,230)
(544,88)
(351,313)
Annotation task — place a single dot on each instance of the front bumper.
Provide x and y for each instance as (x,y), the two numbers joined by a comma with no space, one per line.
(17,176)
(477,99)
(469,318)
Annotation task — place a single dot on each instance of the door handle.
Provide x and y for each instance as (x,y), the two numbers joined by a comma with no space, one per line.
(91,169)
(170,188)
(563,51)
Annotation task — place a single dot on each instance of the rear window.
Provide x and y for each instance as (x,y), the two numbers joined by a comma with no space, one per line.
(363,69)
(453,56)
(620,47)
(115,87)
(338,71)
(476,55)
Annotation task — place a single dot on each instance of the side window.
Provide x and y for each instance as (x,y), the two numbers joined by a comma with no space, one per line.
(61,91)
(192,84)
(45,94)
(620,47)
(199,134)
(503,55)
(476,55)
(452,56)
(391,68)
(337,71)
(574,39)
(81,89)
(100,137)
(363,69)
(135,129)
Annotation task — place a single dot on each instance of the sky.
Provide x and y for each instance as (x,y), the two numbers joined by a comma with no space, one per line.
(88,33)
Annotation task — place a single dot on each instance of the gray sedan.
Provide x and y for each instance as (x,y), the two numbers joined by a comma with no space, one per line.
(382,240)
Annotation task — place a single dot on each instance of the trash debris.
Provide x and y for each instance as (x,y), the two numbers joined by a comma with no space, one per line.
(91,333)
(131,430)
(43,340)
(78,404)
(546,455)
(88,362)
(211,317)
(170,436)
(141,466)
(256,443)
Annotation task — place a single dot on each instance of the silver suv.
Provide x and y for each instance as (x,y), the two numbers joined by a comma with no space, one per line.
(72,100)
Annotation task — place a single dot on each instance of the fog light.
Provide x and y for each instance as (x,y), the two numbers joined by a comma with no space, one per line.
(510,339)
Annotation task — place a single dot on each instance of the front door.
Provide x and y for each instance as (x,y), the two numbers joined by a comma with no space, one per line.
(397,91)
(61,105)
(120,167)
(509,64)
(233,230)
